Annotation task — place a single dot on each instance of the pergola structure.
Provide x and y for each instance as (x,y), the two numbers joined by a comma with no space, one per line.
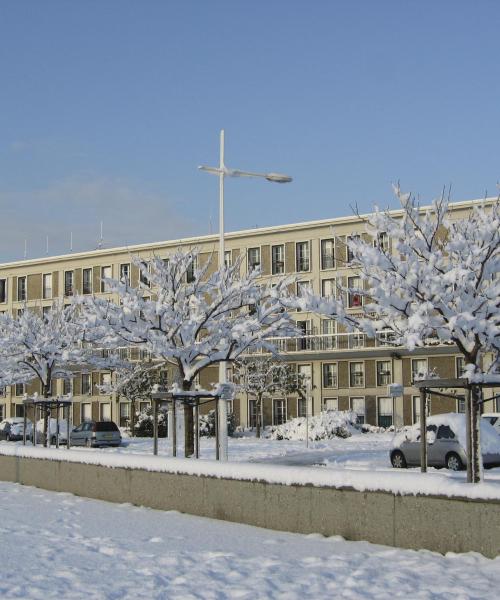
(436,387)
(45,406)
(192,399)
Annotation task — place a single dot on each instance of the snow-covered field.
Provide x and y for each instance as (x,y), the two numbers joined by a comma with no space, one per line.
(61,546)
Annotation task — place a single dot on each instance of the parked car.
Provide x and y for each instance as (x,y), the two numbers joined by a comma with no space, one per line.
(493,419)
(52,431)
(446,443)
(96,433)
(12,429)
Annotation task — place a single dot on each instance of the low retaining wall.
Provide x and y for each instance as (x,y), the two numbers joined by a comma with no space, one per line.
(436,523)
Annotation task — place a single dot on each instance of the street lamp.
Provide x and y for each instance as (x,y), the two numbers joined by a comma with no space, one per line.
(222,172)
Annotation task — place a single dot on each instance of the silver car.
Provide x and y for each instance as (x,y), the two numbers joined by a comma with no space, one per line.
(96,433)
(445,444)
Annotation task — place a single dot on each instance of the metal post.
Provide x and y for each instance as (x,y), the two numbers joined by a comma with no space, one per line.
(221,421)
(423,430)
(217,430)
(174,429)
(57,424)
(33,429)
(155,427)
(69,427)
(25,425)
(197,427)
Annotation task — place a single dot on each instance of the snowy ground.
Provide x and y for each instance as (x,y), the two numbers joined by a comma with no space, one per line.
(61,546)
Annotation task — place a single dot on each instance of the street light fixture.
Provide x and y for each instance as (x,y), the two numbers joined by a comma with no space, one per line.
(222,172)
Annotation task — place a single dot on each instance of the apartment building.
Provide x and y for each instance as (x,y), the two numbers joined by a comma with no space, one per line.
(346,370)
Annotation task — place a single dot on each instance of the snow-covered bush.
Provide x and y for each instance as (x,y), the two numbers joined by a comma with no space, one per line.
(325,426)
(144,423)
(207,424)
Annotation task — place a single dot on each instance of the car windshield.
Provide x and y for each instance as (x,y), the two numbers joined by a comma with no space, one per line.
(106,426)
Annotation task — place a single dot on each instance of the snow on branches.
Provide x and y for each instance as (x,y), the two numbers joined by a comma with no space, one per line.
(194,317)
(46,346)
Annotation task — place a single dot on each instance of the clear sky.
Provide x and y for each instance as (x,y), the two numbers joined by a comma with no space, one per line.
(107,107)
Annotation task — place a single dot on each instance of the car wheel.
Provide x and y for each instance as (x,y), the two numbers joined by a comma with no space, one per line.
(454,462)
(7,438)
(88,443)
(53,440)
(398,460)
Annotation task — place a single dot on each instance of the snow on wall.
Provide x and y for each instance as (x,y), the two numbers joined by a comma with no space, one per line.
(397,482)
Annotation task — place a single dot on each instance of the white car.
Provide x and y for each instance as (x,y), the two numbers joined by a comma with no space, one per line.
(52,430)
(13,428)
(493,419)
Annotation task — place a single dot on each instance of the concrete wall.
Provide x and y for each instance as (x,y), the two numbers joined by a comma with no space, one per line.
(435,523)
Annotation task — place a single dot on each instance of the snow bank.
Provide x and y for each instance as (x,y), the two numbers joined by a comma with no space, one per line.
(397,482)
(325,426)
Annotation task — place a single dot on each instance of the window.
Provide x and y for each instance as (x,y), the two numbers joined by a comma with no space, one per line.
(252,413)
(253,259)
(329,288)
(304,342)
(385,416)
(19,410)
(87,281)
(2,412)
(105,379)
(105,274)
(302,256)
(124,414)
(47,286)
(331,403)
(330,375)
(460,366)
(86,409)
(355,297)
(46,311)
(461,404)
(384,374)
(278,259)
(327,254)
(21,289)
(350,254)
(3,290)
(68,283)
(418,368)
(20,312)
(2,393)
(382,241)
(329,330)
(301,407)
(306,372)
(67,387)
(86,384)
(356,374)
(143,406)
(143,272)
(19,389)
(356,339)
(227,258)
(125,273)
(105,411)
(279,416)
(358,407)
(445,432)
(303,287)
(416,408)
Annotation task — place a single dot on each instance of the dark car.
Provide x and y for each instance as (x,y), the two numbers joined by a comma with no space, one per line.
(96,433)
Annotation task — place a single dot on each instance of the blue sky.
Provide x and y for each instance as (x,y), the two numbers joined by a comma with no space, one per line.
(107,107)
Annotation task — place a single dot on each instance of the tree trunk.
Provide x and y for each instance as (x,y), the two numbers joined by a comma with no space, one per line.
(475,457)
(132,418)
(258,404)
(46,414)
(188,425)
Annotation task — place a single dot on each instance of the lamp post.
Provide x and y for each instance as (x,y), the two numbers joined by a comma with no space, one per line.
(222,172)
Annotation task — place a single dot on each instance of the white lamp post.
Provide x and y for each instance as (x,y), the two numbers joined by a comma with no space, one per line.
(222,171)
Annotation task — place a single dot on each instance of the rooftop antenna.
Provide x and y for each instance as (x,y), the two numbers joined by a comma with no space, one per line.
(100,244)
(25,249)
(47,245)
(71,241)
(210,223)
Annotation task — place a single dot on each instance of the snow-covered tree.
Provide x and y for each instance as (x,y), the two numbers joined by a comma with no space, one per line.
(43,347)
(428,278)
(134,384)
(261,377)
(195,317)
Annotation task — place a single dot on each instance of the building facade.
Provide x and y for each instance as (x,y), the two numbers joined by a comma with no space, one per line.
(346,370)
